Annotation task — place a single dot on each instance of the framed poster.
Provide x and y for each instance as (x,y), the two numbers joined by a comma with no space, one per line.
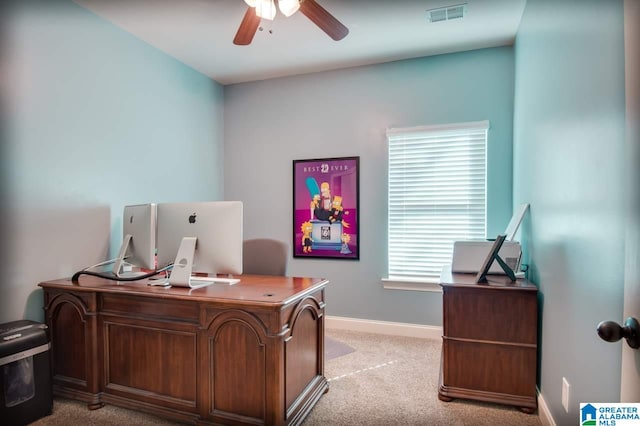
(326,207)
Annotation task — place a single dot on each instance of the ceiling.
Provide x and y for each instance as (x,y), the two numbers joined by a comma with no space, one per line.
(200,33)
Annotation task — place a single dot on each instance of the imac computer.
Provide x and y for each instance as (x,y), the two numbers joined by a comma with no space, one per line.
(138,239)
(200,238)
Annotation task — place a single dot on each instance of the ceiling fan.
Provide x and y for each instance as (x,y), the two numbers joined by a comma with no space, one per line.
(266,9)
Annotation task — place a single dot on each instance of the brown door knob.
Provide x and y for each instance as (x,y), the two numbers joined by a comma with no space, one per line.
(611,331)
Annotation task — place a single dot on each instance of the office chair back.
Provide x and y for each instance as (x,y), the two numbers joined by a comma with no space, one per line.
(265,256)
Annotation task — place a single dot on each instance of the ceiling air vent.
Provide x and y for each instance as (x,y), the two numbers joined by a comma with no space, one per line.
(447,13)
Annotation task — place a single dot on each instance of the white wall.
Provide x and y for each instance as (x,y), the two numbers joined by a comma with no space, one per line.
(569,163)
(630,370)
(269,124)
(93,119)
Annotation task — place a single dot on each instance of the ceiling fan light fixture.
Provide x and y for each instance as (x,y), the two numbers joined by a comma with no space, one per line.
(266,9)
(288,7)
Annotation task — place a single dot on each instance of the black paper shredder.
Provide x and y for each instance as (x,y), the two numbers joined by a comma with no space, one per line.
(25,374)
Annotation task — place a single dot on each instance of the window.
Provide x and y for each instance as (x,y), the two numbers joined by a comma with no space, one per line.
(437,195)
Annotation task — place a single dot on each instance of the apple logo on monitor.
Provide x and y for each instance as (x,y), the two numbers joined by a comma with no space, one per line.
(192,218)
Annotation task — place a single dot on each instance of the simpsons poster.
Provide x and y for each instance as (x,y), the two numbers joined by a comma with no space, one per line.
(325,208)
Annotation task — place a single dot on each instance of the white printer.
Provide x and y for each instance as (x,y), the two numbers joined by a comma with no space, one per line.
(468,256)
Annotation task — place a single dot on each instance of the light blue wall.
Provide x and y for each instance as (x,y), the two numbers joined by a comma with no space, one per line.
(270,123)
(569,164)
(93,119)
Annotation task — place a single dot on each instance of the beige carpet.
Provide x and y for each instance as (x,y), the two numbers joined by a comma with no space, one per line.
(386,380)
(392,380)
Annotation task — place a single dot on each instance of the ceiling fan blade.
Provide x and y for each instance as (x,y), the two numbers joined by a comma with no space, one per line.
(323,19)
(248,27)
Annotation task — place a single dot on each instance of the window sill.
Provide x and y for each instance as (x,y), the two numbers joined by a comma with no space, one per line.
(411,285)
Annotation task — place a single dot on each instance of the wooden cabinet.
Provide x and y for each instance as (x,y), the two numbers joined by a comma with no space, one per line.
(251,353)
(489,341)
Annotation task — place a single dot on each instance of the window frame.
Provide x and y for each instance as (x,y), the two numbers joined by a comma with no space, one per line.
(428,283)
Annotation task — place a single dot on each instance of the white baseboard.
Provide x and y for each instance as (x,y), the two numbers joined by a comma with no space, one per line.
(384,327)
(544,414)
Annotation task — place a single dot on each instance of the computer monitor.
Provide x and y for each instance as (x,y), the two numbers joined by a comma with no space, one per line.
(200,237)
(516,219)
(138,246)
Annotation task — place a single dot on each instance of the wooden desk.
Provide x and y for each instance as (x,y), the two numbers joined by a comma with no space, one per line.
(250,353)
(489,341)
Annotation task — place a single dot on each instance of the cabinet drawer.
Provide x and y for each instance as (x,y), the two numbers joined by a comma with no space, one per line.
(504,369)
(491,315)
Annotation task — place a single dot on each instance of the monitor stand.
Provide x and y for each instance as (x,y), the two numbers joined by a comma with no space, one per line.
(481,277)
(183,268)
(506,268)
(119,262)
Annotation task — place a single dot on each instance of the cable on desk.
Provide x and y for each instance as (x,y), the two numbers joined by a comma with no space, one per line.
(112,277)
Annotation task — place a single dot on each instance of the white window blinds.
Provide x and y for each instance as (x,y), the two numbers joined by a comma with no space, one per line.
(437,195)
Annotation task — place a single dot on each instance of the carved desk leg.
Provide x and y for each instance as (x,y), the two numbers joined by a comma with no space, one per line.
(73,327)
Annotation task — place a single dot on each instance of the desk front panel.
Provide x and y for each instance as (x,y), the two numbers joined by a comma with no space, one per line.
(194,360)
(150,362)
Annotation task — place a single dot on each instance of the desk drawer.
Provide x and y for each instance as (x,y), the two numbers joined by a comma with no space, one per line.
(150,308)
